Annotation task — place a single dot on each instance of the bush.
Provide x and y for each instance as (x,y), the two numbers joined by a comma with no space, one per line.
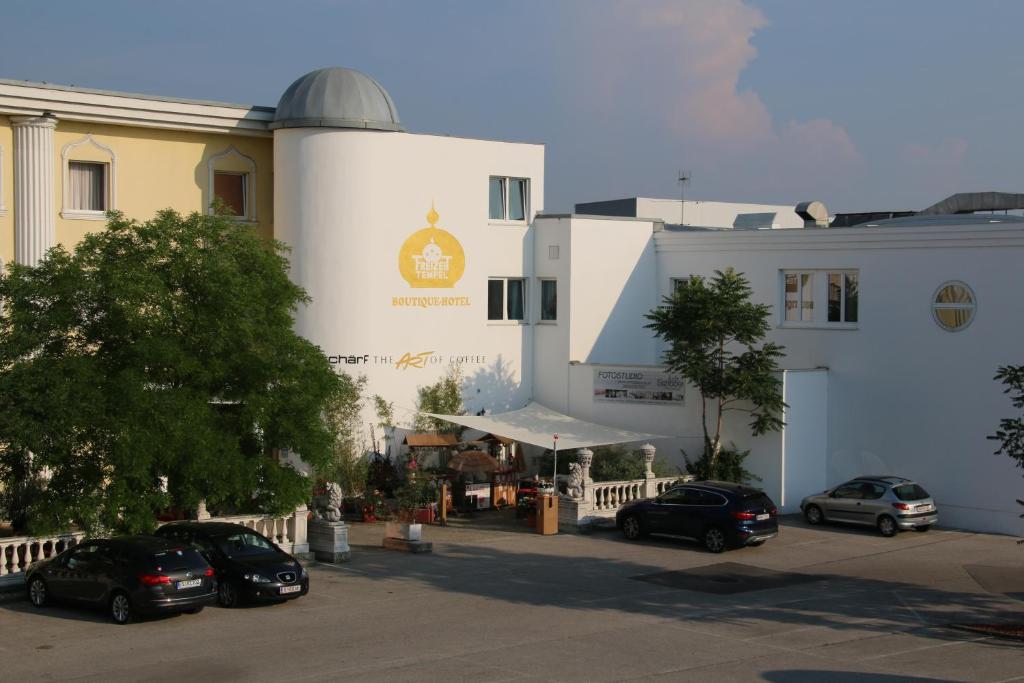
(727,467)
(414,494)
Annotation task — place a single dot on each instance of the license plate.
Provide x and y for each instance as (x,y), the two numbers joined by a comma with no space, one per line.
(191,583)
(925,508)
(763,517)
(290,589)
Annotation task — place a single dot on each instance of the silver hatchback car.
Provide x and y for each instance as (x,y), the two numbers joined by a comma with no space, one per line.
(887,503)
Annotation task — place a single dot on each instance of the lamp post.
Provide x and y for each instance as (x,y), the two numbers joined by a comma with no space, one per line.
(554,475)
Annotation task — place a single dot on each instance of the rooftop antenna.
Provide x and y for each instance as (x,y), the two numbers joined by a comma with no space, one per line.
(684,179)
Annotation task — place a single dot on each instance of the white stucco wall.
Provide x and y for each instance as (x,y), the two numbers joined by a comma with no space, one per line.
(346,201)
(904,396)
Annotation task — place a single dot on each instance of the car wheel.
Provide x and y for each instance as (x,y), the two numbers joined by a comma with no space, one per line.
(194,610)
(121,608)
(714,539)
(887,526)
(37,593)
(227,594)
(813,515)
(926,527)
(632,528)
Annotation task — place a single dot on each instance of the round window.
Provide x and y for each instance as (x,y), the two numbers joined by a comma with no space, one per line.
(953,306)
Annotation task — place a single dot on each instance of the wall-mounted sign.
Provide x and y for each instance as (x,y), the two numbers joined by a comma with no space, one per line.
(431,258)
(637,385)
(416,360)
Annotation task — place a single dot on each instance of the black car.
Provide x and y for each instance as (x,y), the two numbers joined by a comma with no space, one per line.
(716,513)
(249,566)
(128,575)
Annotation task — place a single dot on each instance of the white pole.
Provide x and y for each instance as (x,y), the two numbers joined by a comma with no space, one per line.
(554,477)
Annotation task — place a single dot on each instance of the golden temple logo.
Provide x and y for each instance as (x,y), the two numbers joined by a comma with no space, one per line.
(431,258)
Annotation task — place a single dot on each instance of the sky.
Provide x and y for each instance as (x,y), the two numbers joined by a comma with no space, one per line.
(866,105)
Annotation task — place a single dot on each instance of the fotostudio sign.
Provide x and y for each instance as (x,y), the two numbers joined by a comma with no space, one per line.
(637,385)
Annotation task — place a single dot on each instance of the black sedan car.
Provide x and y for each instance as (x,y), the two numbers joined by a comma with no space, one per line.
(249,566)
(128,575)
(718,514)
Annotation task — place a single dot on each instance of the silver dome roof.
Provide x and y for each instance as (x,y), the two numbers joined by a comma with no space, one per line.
(336,98)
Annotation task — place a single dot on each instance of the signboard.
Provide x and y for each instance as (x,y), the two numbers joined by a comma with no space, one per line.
(637,385)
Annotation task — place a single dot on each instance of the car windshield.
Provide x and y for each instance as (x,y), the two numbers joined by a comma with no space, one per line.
(244,543)
(909,492)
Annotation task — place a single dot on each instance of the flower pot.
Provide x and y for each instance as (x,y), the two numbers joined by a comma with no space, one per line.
(408,532)
(425,516)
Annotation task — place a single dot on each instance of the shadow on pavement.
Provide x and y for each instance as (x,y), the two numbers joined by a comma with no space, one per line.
(818,675)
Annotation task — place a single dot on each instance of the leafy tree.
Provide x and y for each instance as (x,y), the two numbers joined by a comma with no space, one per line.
(444,397)
(713,331)
(386,421)
(349,466)
(155,366)
(610,463)
(1010,434)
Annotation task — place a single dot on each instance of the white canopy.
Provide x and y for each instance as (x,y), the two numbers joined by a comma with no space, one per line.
(537,425)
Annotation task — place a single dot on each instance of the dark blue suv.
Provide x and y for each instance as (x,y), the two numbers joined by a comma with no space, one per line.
(718,514)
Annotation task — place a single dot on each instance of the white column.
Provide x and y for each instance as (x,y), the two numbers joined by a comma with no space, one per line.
(647,452)
(34,199)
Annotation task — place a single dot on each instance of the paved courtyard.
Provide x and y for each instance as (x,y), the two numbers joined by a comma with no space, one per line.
(493,603)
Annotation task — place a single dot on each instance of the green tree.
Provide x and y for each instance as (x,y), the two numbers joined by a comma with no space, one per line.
(158,352)
(1010,434)
(349,466)
(444,397)
(713,331)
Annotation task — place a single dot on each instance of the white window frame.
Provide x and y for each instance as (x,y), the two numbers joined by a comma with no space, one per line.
(505,320)
(540,301)
(674,283)
(221,163)
(802,297)
(843,274)
(819,298)
(936,306)
(505,183)
(67,155)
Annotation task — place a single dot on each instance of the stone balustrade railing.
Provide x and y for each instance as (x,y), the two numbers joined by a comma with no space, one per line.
(611,495)
(18,552)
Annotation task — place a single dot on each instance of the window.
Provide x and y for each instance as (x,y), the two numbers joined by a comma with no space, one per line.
(549,300)
(820,298)
(230,188)
(849,490)
(553,252)
(800,297)
(89,175)
(678,283)
(509,198)
(232,179)
(953,306)
(506,299)
(842,297)
(88,186)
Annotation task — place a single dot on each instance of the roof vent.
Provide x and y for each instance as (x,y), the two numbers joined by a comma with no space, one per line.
(815,214)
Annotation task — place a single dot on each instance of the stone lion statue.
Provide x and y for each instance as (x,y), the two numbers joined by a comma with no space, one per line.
(575,485)
(327,505)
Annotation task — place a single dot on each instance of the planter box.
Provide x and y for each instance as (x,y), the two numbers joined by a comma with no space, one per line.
(425,516)
(407,532)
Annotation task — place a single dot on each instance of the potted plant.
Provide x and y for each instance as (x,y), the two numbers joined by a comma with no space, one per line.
(415,494)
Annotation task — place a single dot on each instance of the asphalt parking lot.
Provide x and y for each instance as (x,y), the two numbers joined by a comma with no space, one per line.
(493,603)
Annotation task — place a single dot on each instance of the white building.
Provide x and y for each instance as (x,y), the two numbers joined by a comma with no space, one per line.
(424,250)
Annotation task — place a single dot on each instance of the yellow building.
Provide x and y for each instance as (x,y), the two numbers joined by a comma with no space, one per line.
(68,155)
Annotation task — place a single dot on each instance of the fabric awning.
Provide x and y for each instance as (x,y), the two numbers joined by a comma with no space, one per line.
(536,425)
(430,440)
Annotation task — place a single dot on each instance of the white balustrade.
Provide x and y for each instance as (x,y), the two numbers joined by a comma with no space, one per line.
(18,552)
(288,531)
(603,498)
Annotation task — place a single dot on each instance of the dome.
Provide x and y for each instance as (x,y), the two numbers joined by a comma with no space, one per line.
(336,98)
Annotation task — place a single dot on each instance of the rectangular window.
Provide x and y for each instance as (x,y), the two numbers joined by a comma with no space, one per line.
(678,283)
(495,299)
(799,299)
(549,300)
(508,198)
(506,299)
(88,186)
(842,297)
(230,188)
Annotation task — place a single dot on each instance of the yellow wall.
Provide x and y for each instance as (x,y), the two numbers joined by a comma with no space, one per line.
(6,192)
(155,169)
